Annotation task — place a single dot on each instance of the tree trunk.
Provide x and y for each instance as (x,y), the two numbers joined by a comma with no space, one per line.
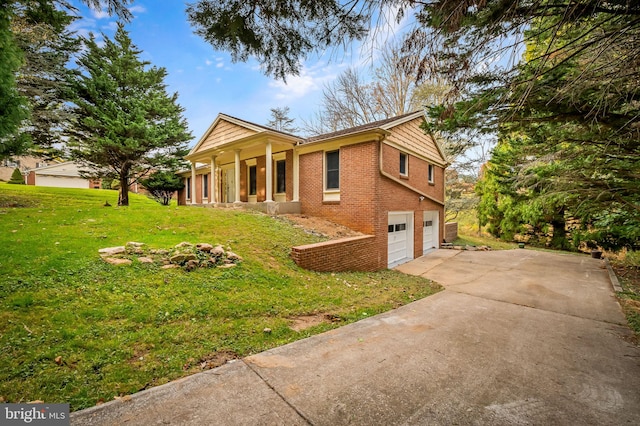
(123,196)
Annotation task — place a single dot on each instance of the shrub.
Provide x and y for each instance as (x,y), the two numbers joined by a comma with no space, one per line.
(16,177)
(161,186)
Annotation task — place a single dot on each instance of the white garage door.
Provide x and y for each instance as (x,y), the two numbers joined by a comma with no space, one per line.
(62,182)
(429,231)
(400,238)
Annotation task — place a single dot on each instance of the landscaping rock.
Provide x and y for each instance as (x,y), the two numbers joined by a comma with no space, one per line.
(191,265)
(233,257)
(182,257)
(204,247)
(110,251)
(226,265)
(116,261)
(217,251)
(170,266)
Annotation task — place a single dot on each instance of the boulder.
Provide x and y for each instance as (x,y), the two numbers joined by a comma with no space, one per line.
(226,265)
(191,265)
(110,251)
(145,259)
(116,261)
(233,257)
(134,244)
(217,251)
(184,244)
(170,266)
(204,247)
(182,257)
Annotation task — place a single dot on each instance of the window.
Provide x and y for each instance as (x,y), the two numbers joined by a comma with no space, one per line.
(253,180)
(188,185)
(205,186)
(431,173)
(281,174)
(404,163)
(332,170)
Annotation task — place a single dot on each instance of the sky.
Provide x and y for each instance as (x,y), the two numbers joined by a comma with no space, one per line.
(206,80)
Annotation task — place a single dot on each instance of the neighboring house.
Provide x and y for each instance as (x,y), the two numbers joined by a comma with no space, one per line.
(62,175)
(24,163)
(384,179)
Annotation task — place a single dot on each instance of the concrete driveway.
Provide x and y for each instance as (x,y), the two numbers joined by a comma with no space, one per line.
(518,337)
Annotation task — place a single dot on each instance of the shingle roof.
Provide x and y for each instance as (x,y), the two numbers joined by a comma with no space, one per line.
(357,129)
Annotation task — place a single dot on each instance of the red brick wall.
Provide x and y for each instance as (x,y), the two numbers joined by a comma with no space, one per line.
(367,197)
(358,180)
(348,254)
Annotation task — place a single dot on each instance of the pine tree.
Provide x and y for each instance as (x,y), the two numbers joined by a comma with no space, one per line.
(13,107)
(41,33)
(281,121)
(162,185)
(16,177)
(128,123)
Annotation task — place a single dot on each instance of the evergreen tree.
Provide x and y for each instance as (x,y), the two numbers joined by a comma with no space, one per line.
(573,149)
(281,121)
(13,107)
(41,32)
(16,177)
(162,185)
(128,125)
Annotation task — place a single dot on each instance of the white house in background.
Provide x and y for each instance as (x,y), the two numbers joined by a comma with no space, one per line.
(63,175)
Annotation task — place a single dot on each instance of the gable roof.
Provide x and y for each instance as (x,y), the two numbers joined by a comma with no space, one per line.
(226,129)
(246,127)
(68,169)
(385,124)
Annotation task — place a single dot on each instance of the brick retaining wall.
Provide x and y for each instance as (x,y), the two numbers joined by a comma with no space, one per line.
(347,254)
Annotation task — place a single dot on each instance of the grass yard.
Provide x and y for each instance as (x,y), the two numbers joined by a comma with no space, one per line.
(75,329)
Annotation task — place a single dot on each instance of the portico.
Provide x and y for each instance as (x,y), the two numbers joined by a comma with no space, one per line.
(239,162)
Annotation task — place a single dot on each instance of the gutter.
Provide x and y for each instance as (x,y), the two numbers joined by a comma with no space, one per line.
(399,181)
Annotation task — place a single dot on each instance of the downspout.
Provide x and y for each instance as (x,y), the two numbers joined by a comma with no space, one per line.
(399,181)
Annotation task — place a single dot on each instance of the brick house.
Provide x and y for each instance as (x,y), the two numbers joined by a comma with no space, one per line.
(384,179)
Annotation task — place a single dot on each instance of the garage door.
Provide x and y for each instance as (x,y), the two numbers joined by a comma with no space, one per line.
(400,238)
(429,231)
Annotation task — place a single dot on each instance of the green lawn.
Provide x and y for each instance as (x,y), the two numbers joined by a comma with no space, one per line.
(75,329)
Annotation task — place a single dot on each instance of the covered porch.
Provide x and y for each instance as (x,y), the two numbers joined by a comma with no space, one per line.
(238,163)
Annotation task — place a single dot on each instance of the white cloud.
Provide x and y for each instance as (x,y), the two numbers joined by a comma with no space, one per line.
(137,9)
(220,65)
(208,62)
(310,79)
(100,14)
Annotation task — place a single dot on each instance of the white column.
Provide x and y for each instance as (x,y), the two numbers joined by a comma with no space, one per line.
(237,176)
(214,181)
(193,183)
(269,173)
(296,175)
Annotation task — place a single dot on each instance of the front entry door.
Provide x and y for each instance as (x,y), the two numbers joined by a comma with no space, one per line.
(229,185)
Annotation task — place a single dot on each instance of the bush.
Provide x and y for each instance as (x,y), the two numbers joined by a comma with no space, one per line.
(161,186)
(16,177)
